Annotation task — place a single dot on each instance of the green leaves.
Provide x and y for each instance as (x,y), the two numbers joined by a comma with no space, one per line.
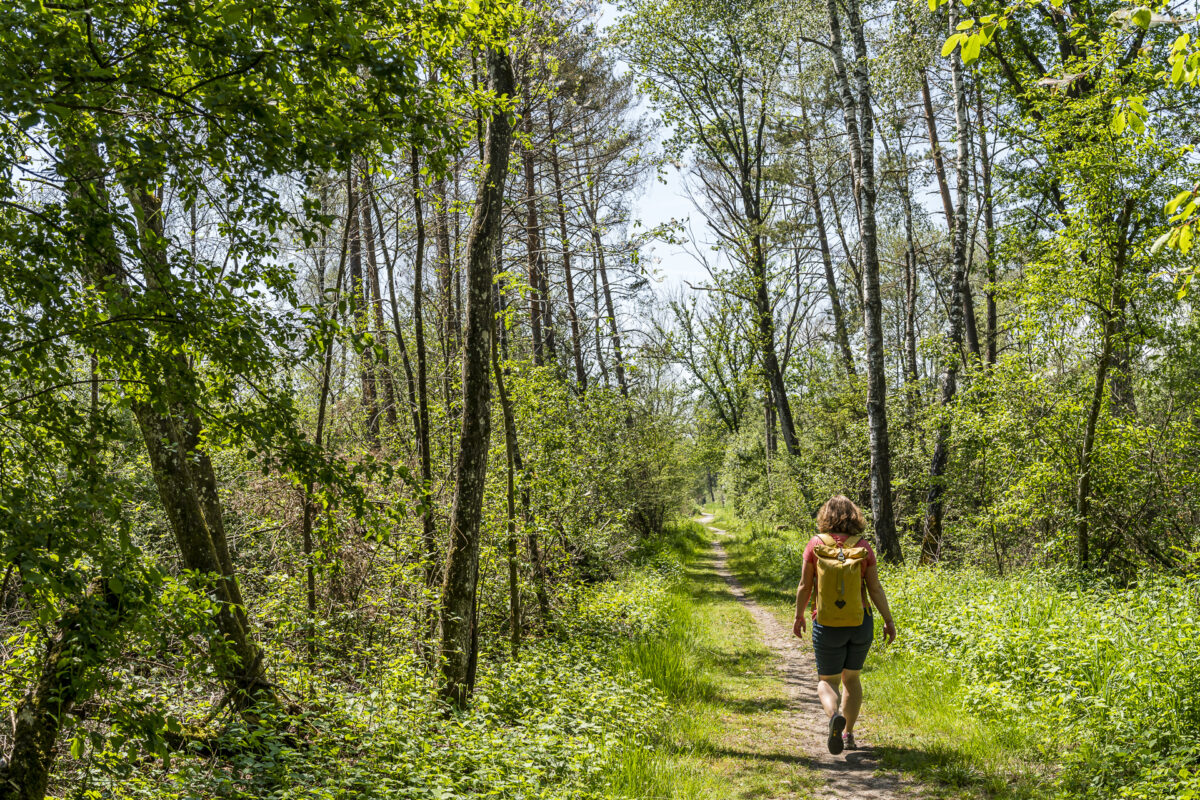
(1007,639)
(973,35)
(1184,62)
(1130,113)
(1177,200)
(1182,210)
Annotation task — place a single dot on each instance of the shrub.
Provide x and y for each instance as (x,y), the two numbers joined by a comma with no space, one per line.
(1110,675)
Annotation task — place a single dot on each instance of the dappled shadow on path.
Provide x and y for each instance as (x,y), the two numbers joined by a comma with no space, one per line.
(799,759)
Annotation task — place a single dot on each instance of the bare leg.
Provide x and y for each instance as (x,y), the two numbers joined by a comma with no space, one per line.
(827,690)
(852,699)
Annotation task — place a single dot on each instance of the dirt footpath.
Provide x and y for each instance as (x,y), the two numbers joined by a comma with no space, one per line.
(853,775)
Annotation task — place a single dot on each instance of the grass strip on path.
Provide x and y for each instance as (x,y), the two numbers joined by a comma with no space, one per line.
(729,735)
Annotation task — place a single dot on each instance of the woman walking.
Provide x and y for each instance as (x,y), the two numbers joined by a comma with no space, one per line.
(840,566)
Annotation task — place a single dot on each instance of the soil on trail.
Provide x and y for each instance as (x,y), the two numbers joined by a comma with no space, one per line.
(853,775)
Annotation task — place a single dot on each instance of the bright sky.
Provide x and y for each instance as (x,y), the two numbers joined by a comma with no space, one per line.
(662,202)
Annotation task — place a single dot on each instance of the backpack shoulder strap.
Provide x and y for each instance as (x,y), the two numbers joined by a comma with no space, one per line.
(851,541)
(827,540)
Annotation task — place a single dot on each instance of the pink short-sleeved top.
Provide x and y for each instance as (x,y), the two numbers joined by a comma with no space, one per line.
(810,557)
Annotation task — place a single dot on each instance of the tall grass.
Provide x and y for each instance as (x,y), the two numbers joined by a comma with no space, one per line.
(668,661)
(697,659)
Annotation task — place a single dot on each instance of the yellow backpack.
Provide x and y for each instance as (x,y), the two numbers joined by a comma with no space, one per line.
(839,595)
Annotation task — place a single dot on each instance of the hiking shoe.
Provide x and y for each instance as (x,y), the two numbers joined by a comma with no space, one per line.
(836,726)
(848,741)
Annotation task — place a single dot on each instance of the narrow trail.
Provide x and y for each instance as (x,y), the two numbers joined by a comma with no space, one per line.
(853,775)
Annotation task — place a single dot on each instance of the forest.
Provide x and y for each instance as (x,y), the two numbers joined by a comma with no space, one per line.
(361,436)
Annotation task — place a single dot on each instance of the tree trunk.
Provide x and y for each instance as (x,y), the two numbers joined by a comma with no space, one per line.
(359,303)
(384,374)
(548,328)
(766,333)
(77,646)
(514,586)
(910,278)
(533,246)
(450,329)
(428,527)
(1083,492)
(572,312)
(418,397)
(835,302)
(910,321)
(839,322)
(769,419)
(970,325)
(462,563)
(512,446)
(935,149)
(182,470)
(967,300)
(310,571)
(989,227)
(931,540)
(512,451)
(862,154)
(614,330)
(596,317)
(1108,330)
(1124,404)
(855,272)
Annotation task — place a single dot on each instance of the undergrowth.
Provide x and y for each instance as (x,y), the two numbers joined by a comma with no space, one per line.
(1106,680)
(557,722)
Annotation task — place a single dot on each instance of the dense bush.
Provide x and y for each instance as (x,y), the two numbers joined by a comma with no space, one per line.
(544,725)
(1110,677)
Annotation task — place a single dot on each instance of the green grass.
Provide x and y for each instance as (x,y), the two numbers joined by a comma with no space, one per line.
(729,735)
(917,720)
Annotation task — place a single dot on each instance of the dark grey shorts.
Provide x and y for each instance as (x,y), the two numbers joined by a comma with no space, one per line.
(837,649)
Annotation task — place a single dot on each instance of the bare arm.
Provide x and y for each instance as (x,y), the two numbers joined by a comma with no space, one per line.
(803,592)
(879,598)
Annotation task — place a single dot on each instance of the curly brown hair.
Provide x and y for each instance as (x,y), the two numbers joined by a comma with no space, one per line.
(840,515)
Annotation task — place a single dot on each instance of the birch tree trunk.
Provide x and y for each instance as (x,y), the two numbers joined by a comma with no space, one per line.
(968,302)
(862,157)
(931,539)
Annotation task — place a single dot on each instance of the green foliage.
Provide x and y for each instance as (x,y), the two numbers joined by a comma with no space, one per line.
(668,660)
(1111,674)
(546,725)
